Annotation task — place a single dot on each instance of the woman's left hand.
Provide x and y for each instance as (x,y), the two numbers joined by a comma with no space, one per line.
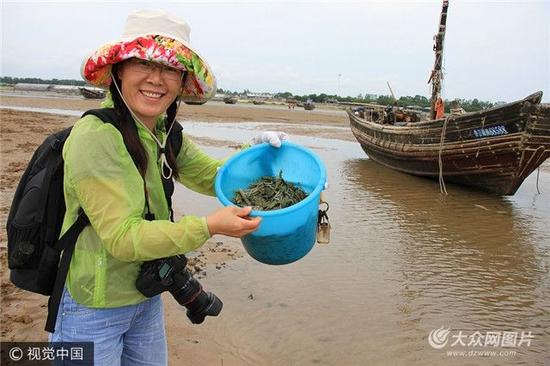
(232,221)
(274,138)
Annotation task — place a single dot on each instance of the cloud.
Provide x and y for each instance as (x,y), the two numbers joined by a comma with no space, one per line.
(493,50)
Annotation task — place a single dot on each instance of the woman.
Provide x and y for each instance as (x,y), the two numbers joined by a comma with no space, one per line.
(114,175)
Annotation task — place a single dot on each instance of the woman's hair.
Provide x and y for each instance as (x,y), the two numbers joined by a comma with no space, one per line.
(129,131)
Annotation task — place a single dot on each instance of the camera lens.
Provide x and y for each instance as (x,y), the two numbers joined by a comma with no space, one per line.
(206,304)
(170,274)
(199,304)
(185,288)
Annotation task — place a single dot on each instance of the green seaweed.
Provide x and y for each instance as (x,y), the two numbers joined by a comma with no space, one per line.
(269,193)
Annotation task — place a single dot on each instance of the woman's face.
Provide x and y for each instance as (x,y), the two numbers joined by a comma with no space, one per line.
(148,88)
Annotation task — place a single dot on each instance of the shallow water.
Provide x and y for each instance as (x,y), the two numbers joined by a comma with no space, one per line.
(403,261)
(64,112)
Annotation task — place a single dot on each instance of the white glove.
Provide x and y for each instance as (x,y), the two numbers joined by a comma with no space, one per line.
(272,137)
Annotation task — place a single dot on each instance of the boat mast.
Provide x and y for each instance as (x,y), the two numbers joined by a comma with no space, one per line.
(437,75)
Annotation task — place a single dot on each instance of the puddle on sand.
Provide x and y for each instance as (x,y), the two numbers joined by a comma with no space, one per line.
(64,112)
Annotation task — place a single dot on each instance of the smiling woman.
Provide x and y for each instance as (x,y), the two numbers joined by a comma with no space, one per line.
(120,174)
(148,88)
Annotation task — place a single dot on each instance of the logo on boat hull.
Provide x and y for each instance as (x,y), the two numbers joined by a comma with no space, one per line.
(490,131)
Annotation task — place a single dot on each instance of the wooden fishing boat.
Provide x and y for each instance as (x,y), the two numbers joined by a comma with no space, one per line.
(92,94)
(492,150)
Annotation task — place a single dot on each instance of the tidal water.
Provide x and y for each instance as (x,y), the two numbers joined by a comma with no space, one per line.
(403,262)
(411,277)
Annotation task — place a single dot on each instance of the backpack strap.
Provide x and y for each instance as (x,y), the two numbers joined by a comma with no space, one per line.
(66,244)
(175,140)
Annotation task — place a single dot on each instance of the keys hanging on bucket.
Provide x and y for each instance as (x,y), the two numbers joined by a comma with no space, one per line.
(323,225)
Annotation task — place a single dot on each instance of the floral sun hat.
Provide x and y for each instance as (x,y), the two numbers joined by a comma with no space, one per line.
(154,35)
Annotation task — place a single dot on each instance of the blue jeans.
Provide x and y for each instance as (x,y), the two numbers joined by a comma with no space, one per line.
(127,335)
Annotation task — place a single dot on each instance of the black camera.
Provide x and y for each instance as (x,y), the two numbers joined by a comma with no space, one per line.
(170,274)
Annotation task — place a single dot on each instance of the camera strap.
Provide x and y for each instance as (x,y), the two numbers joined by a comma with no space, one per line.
(175,140)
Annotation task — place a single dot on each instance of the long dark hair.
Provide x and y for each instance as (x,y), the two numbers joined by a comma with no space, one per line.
(129,130)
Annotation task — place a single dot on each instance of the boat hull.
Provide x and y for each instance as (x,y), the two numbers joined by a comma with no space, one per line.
(492,150)
(91,94)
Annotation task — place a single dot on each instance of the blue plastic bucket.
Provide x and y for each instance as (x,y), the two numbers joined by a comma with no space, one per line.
(284,235)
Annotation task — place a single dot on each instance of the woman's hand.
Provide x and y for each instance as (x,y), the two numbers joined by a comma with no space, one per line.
(274,138)
(232,221)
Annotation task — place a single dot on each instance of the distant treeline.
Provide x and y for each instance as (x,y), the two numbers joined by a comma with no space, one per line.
(418,100)
(421,101)
(14,80)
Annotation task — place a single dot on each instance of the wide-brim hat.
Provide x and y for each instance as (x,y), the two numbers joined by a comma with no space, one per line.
(154,35)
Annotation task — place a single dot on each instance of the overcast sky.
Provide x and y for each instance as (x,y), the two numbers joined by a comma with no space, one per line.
(495,51)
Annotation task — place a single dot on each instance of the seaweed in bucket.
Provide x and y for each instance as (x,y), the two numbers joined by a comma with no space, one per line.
(269,193)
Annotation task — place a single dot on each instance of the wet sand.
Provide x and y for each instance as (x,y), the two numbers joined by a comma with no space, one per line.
(209,112)
(403,259)
(23,314)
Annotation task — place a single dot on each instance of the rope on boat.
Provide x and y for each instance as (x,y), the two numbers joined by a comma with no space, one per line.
(538,173)
(442,188)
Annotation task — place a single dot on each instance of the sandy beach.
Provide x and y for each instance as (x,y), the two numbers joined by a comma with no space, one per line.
(23,314)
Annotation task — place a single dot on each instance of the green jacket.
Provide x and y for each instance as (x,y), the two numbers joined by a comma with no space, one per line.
(101,177)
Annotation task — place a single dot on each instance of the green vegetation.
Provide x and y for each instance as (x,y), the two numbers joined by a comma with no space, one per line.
(269,193)
(14,80)
(417,100)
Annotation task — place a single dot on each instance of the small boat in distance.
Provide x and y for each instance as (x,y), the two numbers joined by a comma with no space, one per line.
(92,93)
(195,102)
(493,150)
(230,100)
(309,105)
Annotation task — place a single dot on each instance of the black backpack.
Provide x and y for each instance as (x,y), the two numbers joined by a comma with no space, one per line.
(36,216)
